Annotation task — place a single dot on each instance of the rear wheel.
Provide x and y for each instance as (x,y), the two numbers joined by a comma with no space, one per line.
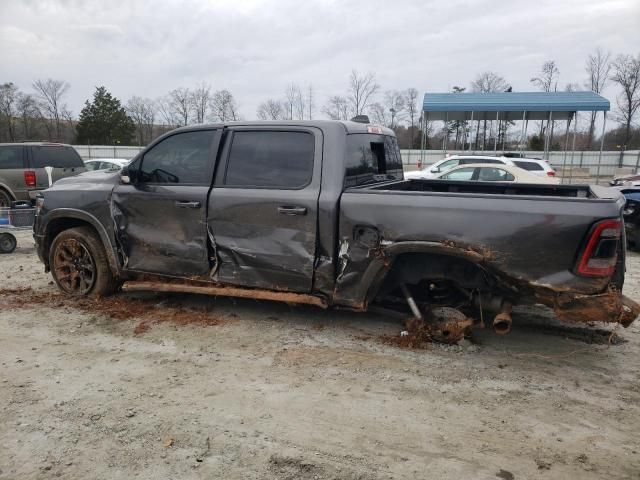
(7,243)
(5,199)
(79,263)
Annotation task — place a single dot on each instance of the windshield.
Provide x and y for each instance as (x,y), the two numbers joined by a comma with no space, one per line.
(371,159)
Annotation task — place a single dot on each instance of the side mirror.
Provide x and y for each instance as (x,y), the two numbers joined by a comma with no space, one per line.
(435,170)
(125,176)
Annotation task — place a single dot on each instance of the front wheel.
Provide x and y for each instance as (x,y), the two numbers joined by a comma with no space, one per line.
(79,263)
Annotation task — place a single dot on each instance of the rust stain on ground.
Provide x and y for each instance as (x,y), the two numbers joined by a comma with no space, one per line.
(120,307)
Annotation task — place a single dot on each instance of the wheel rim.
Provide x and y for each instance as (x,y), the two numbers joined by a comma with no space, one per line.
(74,267)
(5,201)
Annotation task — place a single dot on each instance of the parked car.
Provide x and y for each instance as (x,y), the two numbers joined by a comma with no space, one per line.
(631,214)
(105,164)
(484,172)
(626,180)
(318,212)
(22,172)
(533,165)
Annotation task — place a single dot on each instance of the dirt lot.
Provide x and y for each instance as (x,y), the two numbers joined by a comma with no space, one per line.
(160,386)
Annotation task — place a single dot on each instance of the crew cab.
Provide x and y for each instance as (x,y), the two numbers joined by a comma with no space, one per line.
(318,212)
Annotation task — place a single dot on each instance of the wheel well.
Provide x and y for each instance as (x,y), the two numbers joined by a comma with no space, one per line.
(59,225)
(8,192)
(413,269)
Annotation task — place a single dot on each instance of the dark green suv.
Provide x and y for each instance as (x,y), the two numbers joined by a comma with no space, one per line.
(23,173)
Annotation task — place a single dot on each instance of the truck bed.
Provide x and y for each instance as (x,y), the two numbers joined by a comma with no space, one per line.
(532,233)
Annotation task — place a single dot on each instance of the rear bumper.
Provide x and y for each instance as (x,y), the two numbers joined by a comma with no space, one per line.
(611,307)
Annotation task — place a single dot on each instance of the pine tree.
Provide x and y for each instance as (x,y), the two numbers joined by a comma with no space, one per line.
(104,121)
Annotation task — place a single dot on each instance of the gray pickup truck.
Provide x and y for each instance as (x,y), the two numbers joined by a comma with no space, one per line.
(318,212)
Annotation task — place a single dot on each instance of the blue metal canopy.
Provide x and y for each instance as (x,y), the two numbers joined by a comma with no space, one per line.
(511,105)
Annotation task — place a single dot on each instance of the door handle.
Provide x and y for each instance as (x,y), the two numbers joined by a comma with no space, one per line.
(292,210)
(187,204)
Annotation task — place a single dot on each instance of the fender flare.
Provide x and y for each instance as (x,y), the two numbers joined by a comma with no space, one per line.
(109,247)
(6,188)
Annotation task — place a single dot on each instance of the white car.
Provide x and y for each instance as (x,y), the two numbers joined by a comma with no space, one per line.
(533,165)
(483,172)
(105,164)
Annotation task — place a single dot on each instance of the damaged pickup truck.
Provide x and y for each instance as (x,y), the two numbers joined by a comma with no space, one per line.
(317,212)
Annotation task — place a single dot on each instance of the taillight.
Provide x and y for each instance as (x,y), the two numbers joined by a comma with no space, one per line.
(599,257)
(551,173)
(30,178)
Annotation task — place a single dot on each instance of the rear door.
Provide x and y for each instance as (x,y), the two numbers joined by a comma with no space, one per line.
(263,209)
(64,160)
(161,216)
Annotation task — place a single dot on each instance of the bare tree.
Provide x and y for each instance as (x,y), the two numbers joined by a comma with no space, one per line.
(9,96)
(394,102)
(143,112)
(378,114)
(27,109)
(487,82)
(626,73)
(200,98)
(165,108)
(548,79)
(361,91)
(271,110)
(180,103)
(300,105)
(337,108)
(410,98)
(310,102)
(51,95)
(291,94)
(223,106)
(598,68)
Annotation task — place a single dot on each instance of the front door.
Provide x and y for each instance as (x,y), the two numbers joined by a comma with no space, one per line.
(263,209)
(161,216)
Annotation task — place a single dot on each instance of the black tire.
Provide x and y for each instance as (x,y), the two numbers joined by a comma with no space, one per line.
(5,199)
(7,243)
(79,264)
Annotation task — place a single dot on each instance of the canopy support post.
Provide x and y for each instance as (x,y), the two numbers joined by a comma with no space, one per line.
(495,138)
(604,125)
(423,142)
(547,138)
(522,138)
(573,146)
(470,130)
(445,139)
(566,146)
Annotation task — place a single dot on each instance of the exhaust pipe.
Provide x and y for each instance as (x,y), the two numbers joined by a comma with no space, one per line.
(502,321)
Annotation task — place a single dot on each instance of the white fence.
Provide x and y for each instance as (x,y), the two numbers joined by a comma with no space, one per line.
(610,164)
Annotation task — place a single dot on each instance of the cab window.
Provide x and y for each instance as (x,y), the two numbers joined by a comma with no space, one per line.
(183,158)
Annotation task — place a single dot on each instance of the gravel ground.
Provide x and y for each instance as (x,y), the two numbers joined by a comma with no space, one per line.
(177,386)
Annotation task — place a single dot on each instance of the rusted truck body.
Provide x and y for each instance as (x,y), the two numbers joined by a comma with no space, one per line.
(318,212)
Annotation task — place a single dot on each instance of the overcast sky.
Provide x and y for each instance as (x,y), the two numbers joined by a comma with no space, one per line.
(255,48)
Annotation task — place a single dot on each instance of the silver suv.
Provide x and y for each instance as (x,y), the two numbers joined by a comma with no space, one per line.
(23,173)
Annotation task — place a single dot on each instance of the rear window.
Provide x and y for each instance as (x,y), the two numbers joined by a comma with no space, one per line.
(270,159)
(372,158)
(11,157)
(530,166)
(56,157)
